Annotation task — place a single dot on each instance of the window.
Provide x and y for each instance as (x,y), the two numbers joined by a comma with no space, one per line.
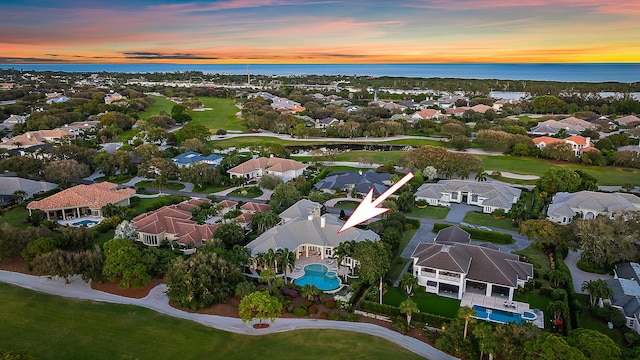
(454,196)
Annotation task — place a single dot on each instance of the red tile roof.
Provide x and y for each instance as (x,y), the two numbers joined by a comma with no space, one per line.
(272,163)
(93,196)
(175,220)
(255,207)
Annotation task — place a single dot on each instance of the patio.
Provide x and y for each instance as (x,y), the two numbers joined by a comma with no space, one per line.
(490,302)
(303,261)
(72,221)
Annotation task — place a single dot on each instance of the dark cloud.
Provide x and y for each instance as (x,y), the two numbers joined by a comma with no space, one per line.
(28,60)
(155,55)
(52,54)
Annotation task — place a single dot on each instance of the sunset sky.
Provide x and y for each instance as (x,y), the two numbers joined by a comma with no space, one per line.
(320,31)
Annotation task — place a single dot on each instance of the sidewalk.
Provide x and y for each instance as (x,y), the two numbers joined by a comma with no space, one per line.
(157,300)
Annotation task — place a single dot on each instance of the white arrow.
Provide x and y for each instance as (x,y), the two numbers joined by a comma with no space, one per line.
(368,208)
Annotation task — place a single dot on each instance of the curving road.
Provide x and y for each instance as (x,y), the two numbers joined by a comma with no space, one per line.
(157,300)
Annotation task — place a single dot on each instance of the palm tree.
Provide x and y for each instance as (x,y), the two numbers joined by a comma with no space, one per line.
(486,341)
(161,181)
(267,276)
(287,260)
(557,310)
(343,251)
(557,277)
(19,195)
(408,307)
(310,291)
(466,313)
(481,175)
(597,289)
(408,282)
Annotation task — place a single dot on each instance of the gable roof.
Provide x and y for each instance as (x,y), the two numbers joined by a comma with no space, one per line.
(495,193)
(362,181)
(255,207)
(93,196)
(629,119)
(477,262)
(452,234)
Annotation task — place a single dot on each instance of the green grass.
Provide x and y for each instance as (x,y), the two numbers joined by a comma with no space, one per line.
(251,192)
(167,186)
(430,212)
(102,238)
(376,157)
(412,142)
(606,175)
(347,204)
(51,327)
(427,302)
(223,115)
(15,216)
(145,203)
(587,321)
(246,141)
(538,258)
(398,263)
(535,300)
(210,189)
(117,179)
(161,104)
(478,218)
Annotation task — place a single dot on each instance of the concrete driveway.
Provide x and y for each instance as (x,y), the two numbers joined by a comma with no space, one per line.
(578,276)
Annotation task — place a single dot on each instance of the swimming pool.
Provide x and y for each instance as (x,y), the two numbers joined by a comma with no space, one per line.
(87,223)
(501,316)
(316,274)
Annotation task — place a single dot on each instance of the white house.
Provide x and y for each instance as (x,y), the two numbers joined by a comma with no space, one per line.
(487,194)
(255,168)
(589,204)
(451,266)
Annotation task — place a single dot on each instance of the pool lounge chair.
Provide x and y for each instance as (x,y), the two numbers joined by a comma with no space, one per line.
(297,268)
(330,261)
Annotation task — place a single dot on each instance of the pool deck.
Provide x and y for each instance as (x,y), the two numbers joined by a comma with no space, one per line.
(490,302)
(303,261)
(70,222)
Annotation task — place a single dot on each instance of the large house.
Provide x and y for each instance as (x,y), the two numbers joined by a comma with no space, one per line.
(451,266)
(82,200)
(40,137)
(255,168)
(173,223)
(589,204)
(308,233)
(579,144)
(10,184)
(626,293)
(191,158)
(489,195)
(571,125)
(10,122)
(362,182)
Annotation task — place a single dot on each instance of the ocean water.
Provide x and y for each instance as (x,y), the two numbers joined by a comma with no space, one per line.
(626,73)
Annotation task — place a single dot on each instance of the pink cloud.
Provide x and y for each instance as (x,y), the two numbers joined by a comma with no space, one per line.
(628,7)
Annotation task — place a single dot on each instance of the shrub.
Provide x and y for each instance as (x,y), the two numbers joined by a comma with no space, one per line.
(353,317)
(307,303)
(559,295)
(299,312)
(335,315)
(546,292)
(313,309)
(324,315)
(415,223)
(330,304)
(400,324)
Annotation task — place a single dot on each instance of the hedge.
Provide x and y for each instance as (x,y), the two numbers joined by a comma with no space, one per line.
(480,235)
(431,319)
(415,223)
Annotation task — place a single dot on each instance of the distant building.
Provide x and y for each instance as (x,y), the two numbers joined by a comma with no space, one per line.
(362,182)
(191,157)
(626,293)
(589,204)
(579,144)
(255,168)
(487,194)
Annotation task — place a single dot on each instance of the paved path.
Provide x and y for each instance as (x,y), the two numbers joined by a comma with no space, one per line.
(333,202)
(578,276)
(266,193)
(511,175)
(157,300)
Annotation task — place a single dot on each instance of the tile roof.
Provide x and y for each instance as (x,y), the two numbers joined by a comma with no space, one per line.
(629,119)
(255,207)
(273,164)
(495,193)
(192,157)
(362,181)
(477,262)
(176,220)
(93,196)
(10,184)
(569,204)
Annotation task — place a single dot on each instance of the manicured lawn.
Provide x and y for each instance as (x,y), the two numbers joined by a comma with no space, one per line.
(222,115)
(51,327)
(118,179)
(161,104)
(606,175)
(146,203)
(210,189)
(428,303)
(250,192)
(536,301)
(589,322)
(246,141)
(102,238)
(346,204)
(413,142)
(538,258)
(167,186)
(430,212)
(376,157)
(15,216)
(477,218)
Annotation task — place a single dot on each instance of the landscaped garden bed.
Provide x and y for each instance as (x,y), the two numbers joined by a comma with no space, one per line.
(249,192)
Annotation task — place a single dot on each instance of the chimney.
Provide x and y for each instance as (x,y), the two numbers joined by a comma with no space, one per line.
(310,217)
(323,221)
